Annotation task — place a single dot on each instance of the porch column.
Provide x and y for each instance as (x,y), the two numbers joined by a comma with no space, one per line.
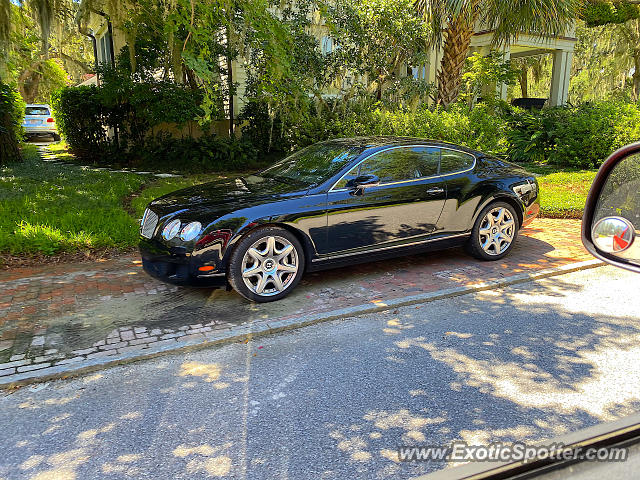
(503,88)
(560,77)
(432,66)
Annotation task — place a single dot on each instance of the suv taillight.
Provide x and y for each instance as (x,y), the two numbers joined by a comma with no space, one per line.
(50,120)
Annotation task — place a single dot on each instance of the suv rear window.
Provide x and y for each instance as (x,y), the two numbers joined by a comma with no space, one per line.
(36,111)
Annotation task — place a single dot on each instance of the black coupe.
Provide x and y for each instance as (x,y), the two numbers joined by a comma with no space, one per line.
(336,202)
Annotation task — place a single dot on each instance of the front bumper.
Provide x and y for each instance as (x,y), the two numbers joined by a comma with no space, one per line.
(178,268)
(531,213)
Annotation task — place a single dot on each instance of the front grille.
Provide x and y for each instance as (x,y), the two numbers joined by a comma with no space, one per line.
(148,224)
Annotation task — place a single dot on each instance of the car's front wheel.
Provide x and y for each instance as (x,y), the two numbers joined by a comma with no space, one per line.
(494,232)
(266,264)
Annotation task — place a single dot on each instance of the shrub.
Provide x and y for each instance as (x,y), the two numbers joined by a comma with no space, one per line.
(206,154)
(582,136)
(81,117)
(483,127)
(11,115)
(86,114)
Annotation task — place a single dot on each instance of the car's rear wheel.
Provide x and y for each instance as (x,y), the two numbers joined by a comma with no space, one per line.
(266,264)
(494,232)
(56,137)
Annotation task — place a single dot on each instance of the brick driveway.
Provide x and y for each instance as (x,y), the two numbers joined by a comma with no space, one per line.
(72,313)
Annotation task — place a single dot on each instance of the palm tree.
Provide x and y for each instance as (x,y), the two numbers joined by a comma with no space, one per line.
(453,23)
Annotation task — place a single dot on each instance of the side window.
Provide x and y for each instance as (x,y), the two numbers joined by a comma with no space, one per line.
(453,161)
(397,165)
(429,161)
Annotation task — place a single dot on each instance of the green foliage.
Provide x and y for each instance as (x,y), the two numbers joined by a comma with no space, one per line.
(11,109)
(39,71)
(51,208)
(79,114)
(376,37)
(134,108)
(55,208)
(482,73)
(582,136)
(208,153)
(564,190)
(482,127)
(602,12)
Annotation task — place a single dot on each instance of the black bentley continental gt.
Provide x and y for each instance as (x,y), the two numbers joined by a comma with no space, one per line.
(336,203)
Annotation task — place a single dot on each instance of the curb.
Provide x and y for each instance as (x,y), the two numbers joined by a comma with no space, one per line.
(245,332)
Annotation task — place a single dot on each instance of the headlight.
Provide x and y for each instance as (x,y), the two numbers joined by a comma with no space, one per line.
(191,231)
(171,229)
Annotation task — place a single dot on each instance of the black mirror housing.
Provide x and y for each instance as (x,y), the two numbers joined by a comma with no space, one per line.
(364,181)
(611,220)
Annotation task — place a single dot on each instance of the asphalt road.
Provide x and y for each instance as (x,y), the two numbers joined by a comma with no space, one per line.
(334,401)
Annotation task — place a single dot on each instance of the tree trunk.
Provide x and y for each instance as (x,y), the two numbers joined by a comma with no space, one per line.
(636,75)
(457,39)
(524,81)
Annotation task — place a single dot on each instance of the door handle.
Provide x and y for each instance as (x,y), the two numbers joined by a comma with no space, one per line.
(435,191)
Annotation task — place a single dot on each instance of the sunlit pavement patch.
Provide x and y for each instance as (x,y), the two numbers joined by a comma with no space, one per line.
(65,318)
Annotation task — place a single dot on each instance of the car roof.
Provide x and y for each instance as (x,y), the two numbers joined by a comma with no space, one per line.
(372,142)
(37,105)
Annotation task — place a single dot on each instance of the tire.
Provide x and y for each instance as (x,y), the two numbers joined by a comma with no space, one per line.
(56,137)
(261,252)
(491,233)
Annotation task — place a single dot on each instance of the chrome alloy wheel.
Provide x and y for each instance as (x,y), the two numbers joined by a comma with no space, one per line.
(497,231)
(269,266)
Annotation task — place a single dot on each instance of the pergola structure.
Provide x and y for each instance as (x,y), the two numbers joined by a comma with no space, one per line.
(526,45)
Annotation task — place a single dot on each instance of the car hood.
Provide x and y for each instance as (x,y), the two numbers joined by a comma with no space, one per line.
(215,199)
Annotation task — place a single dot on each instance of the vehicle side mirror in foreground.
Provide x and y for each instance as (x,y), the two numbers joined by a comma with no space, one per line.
(611,221)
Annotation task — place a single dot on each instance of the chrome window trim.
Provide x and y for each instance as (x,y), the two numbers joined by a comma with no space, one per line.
(390,247)
(475,162)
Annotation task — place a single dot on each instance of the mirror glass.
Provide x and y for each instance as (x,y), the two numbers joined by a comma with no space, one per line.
(616,221)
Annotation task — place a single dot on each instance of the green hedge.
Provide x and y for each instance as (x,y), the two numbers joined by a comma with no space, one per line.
(11,131)
(582,136)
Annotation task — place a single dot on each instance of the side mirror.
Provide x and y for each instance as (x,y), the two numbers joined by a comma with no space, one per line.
(611,221)
(364,181)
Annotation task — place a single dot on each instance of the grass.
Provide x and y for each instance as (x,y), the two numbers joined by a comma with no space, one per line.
(563,191)
(50,209)
(61,151)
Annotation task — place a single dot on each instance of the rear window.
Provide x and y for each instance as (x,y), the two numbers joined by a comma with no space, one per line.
(453,161)
(36,111)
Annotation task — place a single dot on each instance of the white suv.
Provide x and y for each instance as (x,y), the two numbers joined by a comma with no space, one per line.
(38,121)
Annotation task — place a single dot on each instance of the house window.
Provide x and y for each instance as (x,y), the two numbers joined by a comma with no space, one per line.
(417,72)
(104,49)
(326,45)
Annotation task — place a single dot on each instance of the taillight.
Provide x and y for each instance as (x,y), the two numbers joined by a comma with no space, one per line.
(50,120)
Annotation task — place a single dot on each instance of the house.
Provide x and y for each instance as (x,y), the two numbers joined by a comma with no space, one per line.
(108,39)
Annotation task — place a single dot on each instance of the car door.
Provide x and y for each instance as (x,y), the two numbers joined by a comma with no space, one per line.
(403,208)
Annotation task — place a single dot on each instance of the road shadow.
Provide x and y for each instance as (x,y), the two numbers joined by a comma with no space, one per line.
(421,375)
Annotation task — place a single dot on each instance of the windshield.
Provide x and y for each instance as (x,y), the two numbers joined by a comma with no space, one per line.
(313,165)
